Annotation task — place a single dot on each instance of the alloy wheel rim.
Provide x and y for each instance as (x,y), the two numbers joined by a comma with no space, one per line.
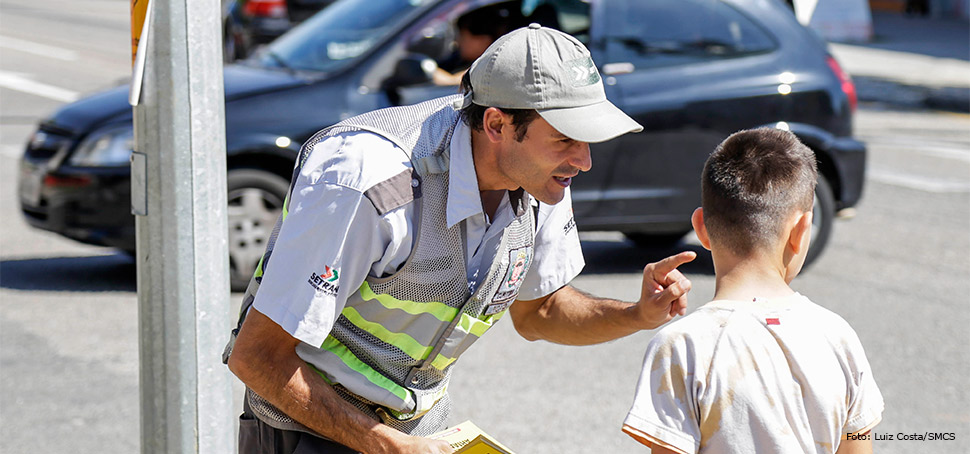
(252,212)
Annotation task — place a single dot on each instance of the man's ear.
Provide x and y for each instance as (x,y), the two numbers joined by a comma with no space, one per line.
(697,220)
(801,232)
(493,123)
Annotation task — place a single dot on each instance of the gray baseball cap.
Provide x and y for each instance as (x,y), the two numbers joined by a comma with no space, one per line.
(547,70)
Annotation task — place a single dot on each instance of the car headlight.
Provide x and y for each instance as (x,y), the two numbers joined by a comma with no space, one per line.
(105,148)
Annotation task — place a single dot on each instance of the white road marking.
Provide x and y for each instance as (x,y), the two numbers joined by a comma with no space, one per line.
(922,146)
(23,84)
(934,185)
(38,49)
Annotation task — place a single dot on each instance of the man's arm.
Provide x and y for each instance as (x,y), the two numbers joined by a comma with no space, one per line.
(265,359)
(569,316)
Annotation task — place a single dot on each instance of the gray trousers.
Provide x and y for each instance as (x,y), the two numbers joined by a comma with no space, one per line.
(257,437)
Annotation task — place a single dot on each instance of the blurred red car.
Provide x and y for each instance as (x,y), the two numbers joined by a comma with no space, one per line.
(248,24)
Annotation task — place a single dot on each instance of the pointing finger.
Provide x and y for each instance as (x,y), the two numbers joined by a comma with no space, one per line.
(665,266)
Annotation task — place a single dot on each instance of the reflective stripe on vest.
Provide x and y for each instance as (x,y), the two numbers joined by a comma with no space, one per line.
(336,364)
(413,326)
(409,326)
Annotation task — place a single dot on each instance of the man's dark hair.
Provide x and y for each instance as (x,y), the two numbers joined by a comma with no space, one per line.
(474,114)
(751,183)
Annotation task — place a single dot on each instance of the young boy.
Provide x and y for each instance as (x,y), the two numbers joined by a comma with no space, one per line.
(761,369)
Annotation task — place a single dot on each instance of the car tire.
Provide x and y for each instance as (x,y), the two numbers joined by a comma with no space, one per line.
(823,215)
(255,200)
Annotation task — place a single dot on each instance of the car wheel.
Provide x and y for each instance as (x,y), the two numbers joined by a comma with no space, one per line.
(822,216)
(655,241)
(255,202)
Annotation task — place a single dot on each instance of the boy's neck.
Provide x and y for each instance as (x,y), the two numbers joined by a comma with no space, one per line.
(744,279)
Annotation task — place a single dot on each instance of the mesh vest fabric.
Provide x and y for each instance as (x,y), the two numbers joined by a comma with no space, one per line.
(391,350)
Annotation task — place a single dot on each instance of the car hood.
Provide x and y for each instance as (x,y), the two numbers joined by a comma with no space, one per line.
(112,105)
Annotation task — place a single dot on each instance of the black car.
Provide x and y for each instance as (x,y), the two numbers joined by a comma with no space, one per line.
(690,71)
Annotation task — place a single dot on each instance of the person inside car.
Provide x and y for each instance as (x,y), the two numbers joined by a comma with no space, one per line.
(477,29)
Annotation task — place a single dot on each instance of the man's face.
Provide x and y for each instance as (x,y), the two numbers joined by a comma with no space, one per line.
(544,162)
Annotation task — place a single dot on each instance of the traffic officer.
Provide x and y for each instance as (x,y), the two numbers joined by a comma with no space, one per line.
(408,232)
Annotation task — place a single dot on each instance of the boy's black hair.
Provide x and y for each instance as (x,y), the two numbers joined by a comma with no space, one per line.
(752,182)
(474,114)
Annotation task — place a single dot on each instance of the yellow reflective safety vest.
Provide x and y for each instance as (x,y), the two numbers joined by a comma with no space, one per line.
(391,350)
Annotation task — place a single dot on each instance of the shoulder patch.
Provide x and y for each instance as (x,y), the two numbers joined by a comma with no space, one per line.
(394,192)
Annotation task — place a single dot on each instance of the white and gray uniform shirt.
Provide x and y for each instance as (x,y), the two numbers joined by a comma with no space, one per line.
(333,229)
(780,376)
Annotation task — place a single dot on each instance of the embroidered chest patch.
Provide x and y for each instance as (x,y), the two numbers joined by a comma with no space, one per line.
(519,260)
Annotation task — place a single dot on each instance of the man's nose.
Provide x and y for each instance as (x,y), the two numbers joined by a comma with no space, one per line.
(580,157)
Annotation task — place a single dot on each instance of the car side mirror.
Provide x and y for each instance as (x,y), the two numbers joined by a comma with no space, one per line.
(413,69)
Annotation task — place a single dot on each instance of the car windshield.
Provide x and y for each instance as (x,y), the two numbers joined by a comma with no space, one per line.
(333,38)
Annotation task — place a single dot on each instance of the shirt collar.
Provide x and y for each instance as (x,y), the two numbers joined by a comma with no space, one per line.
(520,200)
(464,198)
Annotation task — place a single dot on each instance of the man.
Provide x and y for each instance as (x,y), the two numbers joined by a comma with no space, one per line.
(409,231)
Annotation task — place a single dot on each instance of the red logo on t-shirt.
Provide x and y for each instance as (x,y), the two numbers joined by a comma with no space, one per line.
(772,321)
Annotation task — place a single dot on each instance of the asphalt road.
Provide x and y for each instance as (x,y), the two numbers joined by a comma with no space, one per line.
(899,272)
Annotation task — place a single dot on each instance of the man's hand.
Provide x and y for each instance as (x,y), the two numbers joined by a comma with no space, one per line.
(569,316)
(664,292)
(428,446)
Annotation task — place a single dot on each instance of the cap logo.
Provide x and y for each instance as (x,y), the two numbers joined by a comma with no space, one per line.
(583,72)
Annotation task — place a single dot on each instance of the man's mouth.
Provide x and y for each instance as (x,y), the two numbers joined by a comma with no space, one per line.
(564,181)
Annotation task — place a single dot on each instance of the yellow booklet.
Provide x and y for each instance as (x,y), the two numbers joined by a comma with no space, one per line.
(467,438)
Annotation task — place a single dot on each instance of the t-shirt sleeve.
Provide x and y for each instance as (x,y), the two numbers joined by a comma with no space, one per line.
(558,255)
(865,399)
(664,406)
(329,239)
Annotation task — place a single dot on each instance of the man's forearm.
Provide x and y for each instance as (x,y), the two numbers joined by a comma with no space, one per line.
(572,317)
(310,400)
(267,363)
(569,316)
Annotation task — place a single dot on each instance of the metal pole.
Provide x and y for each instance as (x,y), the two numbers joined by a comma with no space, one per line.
(179,195)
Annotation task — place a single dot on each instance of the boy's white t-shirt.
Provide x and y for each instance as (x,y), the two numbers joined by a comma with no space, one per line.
(780,376)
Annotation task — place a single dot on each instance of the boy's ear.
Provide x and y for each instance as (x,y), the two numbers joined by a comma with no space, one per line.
(697,220)
(801,232)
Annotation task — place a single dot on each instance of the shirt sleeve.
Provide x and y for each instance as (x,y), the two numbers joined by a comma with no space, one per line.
(664,409)
(865,401)
(558,255)
(328,242)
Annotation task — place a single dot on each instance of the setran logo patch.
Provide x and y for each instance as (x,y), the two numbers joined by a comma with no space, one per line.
(326,281)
